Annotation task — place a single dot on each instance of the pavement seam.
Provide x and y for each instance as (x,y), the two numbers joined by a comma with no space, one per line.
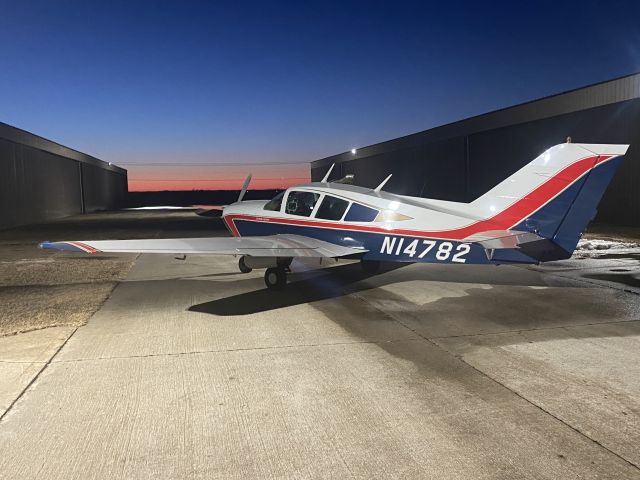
(50,360)
(507,332)
(247,349)
(530,402)
(592,282)
(36,376)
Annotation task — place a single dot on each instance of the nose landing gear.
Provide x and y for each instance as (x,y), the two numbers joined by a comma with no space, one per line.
(243,266)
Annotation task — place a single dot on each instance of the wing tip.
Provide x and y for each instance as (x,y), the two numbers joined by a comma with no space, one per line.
(67,247)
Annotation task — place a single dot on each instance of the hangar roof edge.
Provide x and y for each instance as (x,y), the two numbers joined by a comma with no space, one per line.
(24,137)
(598,94)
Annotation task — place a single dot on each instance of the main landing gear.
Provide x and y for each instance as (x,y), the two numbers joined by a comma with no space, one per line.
(275,278)
(370,266)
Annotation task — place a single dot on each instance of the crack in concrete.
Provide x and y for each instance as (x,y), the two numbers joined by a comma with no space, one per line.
(18,362)
(246,349)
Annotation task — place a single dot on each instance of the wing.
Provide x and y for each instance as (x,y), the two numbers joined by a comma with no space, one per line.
(268,246)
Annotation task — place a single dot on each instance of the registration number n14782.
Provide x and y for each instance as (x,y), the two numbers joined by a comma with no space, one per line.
(440,250)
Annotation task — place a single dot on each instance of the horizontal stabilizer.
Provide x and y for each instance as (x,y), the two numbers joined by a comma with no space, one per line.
(495,239)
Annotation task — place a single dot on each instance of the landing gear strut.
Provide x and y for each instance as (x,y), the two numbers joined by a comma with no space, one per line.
(370,266)
(285,262)
(275,278)
(243,266)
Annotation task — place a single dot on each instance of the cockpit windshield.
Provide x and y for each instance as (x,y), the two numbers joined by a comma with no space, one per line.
(275,203)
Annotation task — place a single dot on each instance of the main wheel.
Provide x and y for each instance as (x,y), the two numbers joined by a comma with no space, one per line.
(243,266)
(275,278)
(370,266)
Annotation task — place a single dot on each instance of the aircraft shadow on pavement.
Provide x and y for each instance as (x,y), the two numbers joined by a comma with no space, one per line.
(480,310)
(344,279)
(328,283)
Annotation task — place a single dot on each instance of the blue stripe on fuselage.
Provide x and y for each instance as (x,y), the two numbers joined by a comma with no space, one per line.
(396,248)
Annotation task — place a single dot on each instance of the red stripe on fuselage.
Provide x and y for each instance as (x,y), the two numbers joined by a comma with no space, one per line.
(507,218)
(228,221)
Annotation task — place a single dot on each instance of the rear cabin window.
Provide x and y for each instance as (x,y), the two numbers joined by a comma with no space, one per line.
(275,203)
(360,213)
(332,208)
(301,203)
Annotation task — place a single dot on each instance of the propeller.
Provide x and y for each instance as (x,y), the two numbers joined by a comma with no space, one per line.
(245,185)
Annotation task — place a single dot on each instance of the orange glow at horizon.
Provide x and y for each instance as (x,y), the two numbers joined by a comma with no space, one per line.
(153,178)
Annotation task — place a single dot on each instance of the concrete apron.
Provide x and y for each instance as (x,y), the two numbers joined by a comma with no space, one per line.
(191,370)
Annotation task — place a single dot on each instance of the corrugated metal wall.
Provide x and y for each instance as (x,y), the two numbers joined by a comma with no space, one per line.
(41,180)
(462,160)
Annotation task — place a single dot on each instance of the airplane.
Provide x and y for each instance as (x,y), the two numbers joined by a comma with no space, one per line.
(536,215)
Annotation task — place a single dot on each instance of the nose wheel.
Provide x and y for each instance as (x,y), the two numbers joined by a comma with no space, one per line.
(243,266)
(275,278)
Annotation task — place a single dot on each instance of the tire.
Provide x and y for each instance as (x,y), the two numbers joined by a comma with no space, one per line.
(243,266)
(370,266)
(275,278)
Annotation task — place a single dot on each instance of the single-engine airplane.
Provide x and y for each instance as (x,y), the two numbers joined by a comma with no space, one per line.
(538,214)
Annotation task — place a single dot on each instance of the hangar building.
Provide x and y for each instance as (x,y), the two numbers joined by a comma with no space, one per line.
(462,160)
(41,180)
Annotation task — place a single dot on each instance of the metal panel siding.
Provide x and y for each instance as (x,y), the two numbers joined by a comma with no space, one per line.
(617,90)
(461,161)
(496,154)
(38,185)
(103,189)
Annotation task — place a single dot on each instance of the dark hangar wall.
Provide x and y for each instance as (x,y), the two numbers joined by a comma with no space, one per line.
(41,180)
(462,160)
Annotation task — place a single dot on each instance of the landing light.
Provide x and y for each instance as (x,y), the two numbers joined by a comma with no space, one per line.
(353,151)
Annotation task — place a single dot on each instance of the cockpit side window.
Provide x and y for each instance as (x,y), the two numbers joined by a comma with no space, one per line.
(360,213)
(301,203)
(275,203)
(332,208)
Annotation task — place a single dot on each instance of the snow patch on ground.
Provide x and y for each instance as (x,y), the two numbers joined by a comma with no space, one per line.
(604,245)
(594,248)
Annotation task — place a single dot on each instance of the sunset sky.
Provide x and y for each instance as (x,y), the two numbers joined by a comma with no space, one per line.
(172,90)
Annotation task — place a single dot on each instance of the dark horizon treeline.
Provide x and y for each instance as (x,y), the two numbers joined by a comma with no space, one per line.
(183,198)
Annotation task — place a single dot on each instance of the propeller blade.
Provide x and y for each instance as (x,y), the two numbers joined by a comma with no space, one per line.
(245,185)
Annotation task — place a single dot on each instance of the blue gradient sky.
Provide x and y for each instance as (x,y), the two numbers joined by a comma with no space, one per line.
(261,82)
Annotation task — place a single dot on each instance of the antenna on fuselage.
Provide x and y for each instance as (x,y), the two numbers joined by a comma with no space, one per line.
(379,187)
(245,186)
(326,177)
